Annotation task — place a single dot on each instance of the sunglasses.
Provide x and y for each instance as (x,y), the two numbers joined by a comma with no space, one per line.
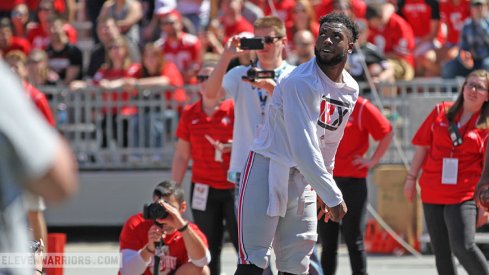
(202,78)
(271,39)
(168,22)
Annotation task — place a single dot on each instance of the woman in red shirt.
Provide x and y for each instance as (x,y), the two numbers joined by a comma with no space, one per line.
(163,82)
(204,132)
(111,76)
(450,147)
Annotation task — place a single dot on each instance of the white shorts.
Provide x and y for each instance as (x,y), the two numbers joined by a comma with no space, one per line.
(33,202)
(293,236)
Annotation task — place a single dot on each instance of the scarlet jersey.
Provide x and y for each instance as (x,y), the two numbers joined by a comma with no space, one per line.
(396,38)
(39,99)
(241,26)
(59,5)
(283,8)
(453,16)
(365,120)
(470,154)
(39,38)
(134,236)
(193,126)
(171,71)
(419,13)
(324,7)
(184,52)
(9,5)
(133,71)
(18,43)
(313,28)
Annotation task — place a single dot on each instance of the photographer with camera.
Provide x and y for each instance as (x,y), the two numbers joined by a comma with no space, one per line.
(246,86)
(161,228)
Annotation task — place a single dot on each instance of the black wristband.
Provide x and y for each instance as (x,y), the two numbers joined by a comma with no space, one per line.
(183,228)
(40,271)
(149,250)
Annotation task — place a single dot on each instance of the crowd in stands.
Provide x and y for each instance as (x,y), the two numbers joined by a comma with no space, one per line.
(403,39)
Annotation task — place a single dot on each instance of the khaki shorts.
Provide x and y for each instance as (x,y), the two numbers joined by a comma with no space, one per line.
(402,69)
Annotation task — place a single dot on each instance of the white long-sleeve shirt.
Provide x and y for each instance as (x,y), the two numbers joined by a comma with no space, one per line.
(305,123)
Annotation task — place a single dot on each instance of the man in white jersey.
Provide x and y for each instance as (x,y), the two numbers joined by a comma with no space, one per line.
(293,157)
(251,99)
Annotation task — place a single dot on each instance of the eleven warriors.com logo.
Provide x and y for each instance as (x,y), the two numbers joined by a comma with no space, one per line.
(332,113)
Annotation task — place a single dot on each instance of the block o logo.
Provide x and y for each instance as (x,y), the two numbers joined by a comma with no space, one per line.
(331,113)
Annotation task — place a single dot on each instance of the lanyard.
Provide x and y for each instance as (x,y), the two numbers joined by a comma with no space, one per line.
(263,95)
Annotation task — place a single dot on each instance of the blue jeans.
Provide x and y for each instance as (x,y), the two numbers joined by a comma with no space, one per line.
(455,68)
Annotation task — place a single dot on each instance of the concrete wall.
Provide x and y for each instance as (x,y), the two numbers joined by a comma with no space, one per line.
(108,198)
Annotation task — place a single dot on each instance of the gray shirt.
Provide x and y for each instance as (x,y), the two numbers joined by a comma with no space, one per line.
(27,149)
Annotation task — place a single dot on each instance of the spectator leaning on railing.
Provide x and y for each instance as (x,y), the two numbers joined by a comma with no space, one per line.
(107,31)
(64,58)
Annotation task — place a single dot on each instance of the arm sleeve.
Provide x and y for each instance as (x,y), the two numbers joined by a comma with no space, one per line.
(424,135)
(183,131)
(304,145)
(132,262)
(374,122)
(231,81)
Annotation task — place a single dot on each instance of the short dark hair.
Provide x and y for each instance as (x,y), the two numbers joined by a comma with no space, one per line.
(341,18)
(374,10)
(5,23)
(168,188)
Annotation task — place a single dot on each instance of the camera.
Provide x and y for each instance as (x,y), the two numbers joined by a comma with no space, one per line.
(153,211)
(255,43)
(254,73)
(34,245)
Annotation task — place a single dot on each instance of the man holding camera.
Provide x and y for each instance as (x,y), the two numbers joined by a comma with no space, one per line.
(162,232)
(251,95)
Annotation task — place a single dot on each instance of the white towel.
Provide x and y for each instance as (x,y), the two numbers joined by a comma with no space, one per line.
(278,188)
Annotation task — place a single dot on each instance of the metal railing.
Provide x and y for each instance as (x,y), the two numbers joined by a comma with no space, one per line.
(136,130)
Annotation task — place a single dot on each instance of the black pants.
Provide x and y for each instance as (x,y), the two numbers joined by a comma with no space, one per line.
(452,230)
(110,130)
(352,227)
(219,213)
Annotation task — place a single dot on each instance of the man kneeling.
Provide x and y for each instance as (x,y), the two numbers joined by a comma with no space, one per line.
(183,246)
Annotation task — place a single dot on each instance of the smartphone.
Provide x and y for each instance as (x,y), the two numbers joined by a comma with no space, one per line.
(255,43)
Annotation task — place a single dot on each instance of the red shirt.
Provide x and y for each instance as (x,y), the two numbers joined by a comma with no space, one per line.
(18,43)
(171,71)
(396,38)
(365,120)
(133,71)
(283,8)
(185,52)
(324,7)
(470,154)
(419,15)
(39,99)
(453,17)
(8,5)
(39,39)
(193,126)
(313,28)
(134,236)
(59,5)
(241,26)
